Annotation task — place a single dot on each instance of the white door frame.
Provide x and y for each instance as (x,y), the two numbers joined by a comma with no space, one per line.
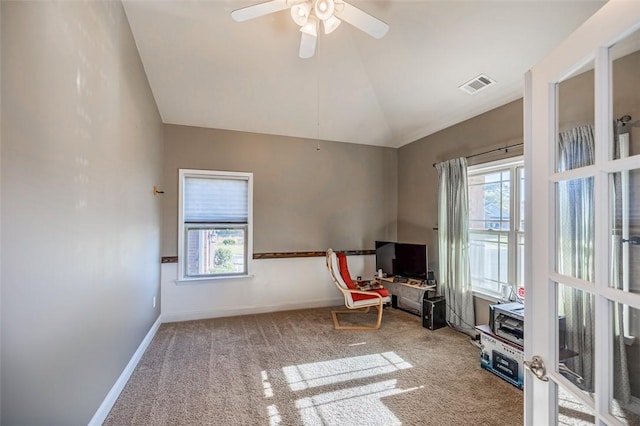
(590,42)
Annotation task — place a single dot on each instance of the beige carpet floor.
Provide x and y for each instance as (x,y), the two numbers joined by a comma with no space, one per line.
(293,368)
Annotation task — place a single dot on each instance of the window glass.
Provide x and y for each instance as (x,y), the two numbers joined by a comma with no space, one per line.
(215,250)
(489,195)
(488,259)
(521,198)
(520,261)
(496,225)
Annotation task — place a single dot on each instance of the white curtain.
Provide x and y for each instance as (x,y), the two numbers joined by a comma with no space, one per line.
(453,243)
(576,259)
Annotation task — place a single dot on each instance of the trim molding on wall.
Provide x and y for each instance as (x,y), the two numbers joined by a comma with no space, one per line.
(103,411)
(287,255)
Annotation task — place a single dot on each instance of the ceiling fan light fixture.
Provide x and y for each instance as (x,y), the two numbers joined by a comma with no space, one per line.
(308,14)
(311,27)
(331,24)
(324,9)
(300,13)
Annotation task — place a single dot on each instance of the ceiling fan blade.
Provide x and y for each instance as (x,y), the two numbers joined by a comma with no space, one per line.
(361,20)
(260,9)
(307,46)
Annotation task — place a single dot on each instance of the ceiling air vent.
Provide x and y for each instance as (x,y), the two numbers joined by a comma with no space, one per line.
(476,84)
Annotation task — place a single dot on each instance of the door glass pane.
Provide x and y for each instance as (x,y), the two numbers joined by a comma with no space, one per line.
(624,254)
(571,411)
(626,364)
(625,57)
(575,228)
(575,118)
(576,337)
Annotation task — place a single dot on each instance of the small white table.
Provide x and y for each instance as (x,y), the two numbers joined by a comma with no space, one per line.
(408,296)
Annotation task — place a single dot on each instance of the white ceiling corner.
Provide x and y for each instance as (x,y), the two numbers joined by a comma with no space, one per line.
(207,70)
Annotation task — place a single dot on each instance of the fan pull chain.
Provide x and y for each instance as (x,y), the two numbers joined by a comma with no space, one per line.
(318,73)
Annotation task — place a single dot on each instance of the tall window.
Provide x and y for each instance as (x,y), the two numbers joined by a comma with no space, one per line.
(496,227)
(214,223)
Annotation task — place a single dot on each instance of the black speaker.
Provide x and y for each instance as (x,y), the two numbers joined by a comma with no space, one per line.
(434,313)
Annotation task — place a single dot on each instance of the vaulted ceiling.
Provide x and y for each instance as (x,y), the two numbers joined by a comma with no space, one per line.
(207,70)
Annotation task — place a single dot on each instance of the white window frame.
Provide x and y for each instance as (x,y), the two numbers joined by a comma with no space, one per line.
(182,246)
(513,233)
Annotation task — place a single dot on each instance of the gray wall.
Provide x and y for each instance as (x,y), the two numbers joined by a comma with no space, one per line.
(341,196)
(418,180)
(81,151)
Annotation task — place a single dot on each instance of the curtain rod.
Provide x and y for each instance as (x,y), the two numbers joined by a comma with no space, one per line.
(504,148)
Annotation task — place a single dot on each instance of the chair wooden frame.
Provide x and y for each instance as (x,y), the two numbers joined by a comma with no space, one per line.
(354,307)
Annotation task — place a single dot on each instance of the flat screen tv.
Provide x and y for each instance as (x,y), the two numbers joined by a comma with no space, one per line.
(386,257)
(402,259)
(411,260)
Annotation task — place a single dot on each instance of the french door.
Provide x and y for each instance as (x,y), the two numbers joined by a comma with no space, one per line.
(582,167)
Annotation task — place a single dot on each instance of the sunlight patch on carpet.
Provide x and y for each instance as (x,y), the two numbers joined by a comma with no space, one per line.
(322,373)
(274,415)
(356,405)
(266,385)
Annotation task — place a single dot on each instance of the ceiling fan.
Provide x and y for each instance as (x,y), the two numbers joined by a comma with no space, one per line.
(309,13)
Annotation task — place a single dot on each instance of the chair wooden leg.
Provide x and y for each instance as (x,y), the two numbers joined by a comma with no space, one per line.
(337,325)
(379,308)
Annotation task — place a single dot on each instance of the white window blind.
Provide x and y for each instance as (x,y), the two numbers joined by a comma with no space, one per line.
(218,200)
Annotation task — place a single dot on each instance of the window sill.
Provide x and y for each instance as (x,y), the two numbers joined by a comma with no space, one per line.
(205,280)
(487,297)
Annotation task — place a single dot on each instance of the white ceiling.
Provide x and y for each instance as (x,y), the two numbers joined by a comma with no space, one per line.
(207,70)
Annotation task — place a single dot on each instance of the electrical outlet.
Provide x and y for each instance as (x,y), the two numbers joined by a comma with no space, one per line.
(154,301)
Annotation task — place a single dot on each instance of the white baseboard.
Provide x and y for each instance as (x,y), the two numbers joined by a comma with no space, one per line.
(219,313)
(106,406)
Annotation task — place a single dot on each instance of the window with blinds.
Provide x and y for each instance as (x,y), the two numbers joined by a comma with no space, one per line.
(215,223)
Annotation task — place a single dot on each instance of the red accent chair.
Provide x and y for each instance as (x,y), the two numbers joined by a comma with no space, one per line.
(357,301)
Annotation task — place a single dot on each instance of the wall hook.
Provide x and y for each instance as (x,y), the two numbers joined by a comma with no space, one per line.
(156,191)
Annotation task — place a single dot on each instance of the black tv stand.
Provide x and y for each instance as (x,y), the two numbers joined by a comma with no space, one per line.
(394,304)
